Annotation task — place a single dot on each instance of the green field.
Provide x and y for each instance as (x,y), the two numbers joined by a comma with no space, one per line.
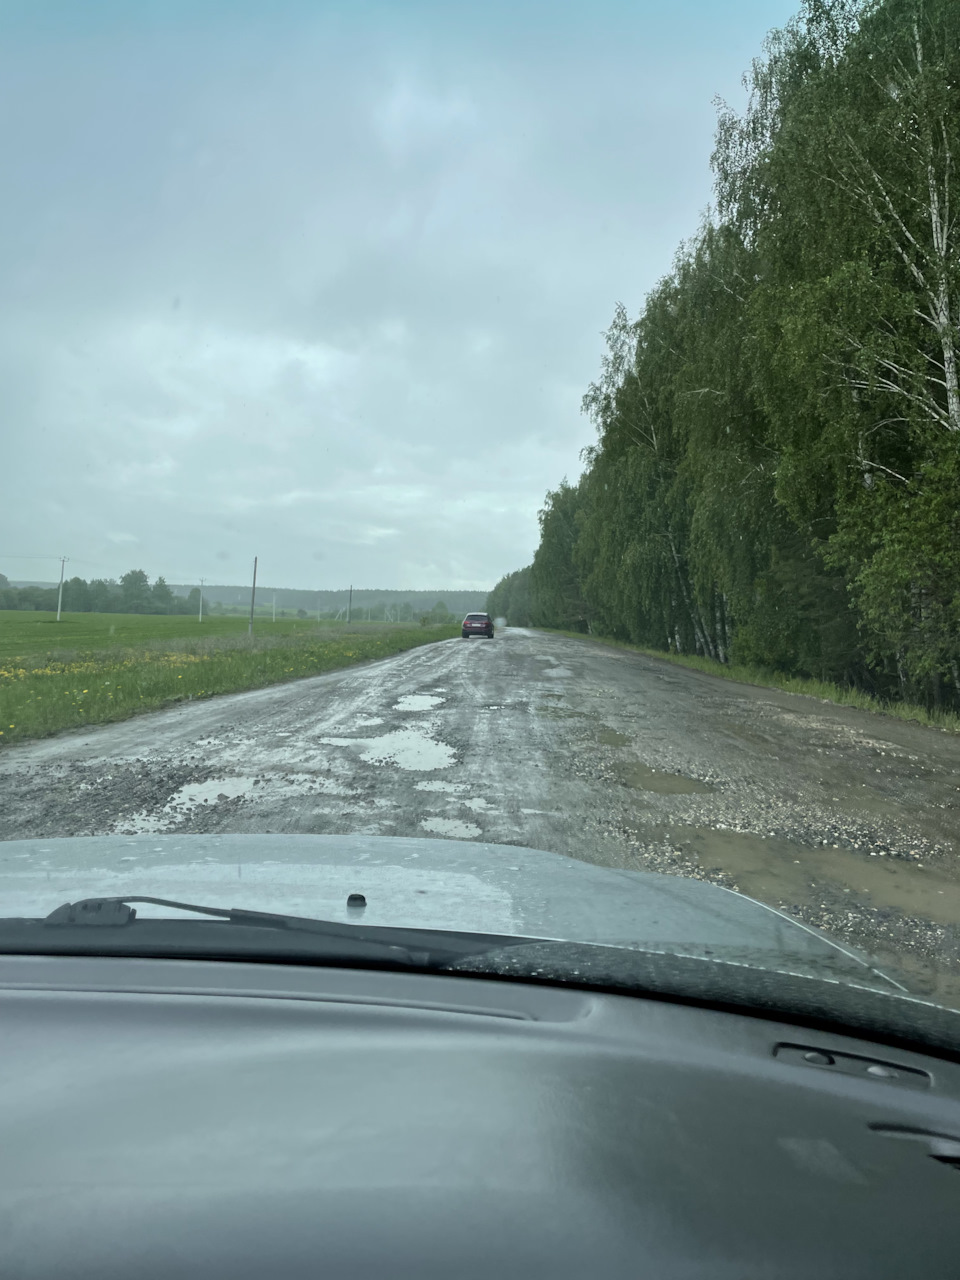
(23,632)
(93,668)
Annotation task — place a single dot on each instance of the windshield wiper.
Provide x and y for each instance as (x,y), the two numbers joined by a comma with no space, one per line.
(410,946)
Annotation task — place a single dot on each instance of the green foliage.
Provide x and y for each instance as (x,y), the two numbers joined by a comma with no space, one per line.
(511,599)
(133,594)
(439,614)
(776,475)
(556,599)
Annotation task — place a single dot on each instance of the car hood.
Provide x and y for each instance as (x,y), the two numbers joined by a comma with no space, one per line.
(426,883)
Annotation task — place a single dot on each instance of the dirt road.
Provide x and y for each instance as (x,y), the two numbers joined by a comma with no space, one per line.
(849,821)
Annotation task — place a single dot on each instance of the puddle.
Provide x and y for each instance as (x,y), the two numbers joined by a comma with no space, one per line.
(416,702)
(643,778)
(406,748)
(478,805)
(779,871)
(410,749)
(434,784)
(558,673)
(197,795)
(611,738)
(921,977)
(191,796)
(451,827)
(367,722)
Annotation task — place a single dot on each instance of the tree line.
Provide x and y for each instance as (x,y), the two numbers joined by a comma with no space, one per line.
(133,593)
(775,477)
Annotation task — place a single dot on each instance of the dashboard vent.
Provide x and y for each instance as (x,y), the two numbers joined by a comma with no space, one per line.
(852,1064)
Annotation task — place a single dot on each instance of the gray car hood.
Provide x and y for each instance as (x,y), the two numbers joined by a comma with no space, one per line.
(426,883)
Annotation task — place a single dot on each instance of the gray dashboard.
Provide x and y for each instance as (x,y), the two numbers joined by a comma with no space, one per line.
(183,1118)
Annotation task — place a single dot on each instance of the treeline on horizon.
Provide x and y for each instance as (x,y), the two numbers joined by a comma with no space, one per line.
(134,593)
(775,478)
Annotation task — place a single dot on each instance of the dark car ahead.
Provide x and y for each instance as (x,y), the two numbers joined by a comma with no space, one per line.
(477,624)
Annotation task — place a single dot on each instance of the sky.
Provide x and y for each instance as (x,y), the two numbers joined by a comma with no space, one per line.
(325,283)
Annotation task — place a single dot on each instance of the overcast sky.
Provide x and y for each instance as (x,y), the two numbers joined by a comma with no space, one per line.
(323,282)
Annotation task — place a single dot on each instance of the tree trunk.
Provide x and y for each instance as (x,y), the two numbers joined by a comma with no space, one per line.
(704,644)
(718,618)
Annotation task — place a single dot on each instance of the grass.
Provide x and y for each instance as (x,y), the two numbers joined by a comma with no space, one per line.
(825,690)
(97,668)
(24,632)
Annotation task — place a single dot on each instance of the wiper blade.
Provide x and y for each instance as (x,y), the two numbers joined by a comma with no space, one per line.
(403,945)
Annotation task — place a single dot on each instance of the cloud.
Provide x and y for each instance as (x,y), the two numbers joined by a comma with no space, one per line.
(326,284)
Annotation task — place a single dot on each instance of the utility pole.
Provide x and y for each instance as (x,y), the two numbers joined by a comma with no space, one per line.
(200,615)
(350,602)
(253,596)
(63,561)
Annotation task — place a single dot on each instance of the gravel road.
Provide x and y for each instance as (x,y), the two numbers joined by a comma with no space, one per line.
(848,820)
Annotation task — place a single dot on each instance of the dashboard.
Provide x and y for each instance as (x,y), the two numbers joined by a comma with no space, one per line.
(204,1118)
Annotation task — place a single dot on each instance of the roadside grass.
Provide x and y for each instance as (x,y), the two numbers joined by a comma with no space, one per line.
(824,690)
(45,692)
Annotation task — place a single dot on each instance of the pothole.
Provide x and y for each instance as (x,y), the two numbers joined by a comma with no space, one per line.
(406,748)
(417,702)
(451,827)
(643,778)
(774,870)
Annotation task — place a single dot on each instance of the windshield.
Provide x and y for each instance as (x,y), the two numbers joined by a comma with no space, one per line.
(501,462)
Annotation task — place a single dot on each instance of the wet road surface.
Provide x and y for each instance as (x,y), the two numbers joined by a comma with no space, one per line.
(848,820)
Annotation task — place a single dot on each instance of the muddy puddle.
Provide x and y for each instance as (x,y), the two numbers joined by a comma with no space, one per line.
(641,777)
(775,871)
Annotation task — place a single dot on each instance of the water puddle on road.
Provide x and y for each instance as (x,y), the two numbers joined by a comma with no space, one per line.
(478,805)
(773,870)
(643,778)
(417,702)
(193,796)
(190,796)
(408,749)
(451,827)
(435,784)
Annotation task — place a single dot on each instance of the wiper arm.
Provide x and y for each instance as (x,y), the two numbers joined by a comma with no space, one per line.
(404,945)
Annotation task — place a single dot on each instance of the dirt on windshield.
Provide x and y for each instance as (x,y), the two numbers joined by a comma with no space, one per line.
(847,821)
